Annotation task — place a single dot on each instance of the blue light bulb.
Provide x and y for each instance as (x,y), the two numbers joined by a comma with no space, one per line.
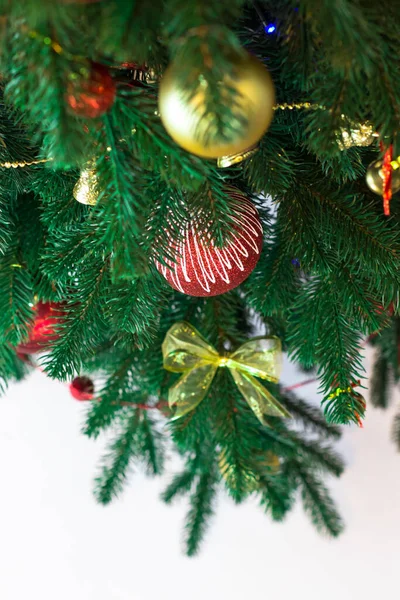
(270,29)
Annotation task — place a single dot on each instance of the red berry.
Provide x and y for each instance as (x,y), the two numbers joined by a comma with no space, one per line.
(82,388)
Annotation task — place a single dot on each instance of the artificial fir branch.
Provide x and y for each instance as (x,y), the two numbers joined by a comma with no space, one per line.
(310,417)
(15,312)
(64,138)
(116,389)
(126,29)
(380,382)
(396,431)
(69,349)
(277,496)
(115,466)
(201,509)
(150,444)
(318,503)
(180,484)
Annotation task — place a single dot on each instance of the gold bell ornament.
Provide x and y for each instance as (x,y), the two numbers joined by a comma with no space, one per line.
(375,177)
(383,176)
(189,121)
(85,190)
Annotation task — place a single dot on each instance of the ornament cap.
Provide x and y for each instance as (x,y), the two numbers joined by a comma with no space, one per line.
(233,159)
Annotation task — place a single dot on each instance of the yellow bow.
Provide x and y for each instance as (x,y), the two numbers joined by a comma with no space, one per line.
(186,351)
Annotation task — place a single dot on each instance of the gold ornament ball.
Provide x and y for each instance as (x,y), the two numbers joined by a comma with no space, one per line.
(374,178)
(85,190)
(192,128)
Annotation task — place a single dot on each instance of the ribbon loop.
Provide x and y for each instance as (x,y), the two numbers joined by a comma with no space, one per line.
(186,351)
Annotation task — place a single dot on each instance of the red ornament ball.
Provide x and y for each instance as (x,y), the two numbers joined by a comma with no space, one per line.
(92,97)
(82,388)
(204,270)
(42,332)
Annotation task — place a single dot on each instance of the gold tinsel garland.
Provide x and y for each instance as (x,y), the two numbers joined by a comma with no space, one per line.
(21,164)
(356,135)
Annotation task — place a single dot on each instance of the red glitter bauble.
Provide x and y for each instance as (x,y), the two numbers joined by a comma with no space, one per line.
(82,388)
(202,269)
(92,97)
(42,332)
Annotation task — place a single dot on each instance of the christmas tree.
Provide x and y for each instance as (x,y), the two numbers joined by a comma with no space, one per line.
(177,178)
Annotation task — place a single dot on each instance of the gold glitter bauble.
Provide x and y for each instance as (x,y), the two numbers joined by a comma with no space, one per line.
(374,178)
(85,190)
(356,135)
(186,120)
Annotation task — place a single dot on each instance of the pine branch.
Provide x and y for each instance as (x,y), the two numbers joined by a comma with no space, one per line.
(235,434)
(41,95)
(274,151)
(148,141)
(309,416)
(17,299)
(396,431)
(387,343)
(322,457)
(277,496)
(201,510)
(181,484)
(135,307)
(114,470)
(10,367)
(273,284)
(127,30)
(321,334)
(187,185)
(60,210)
(116,389)
(122,202)
(150,445)
(380,383)
(318,504)
(322,228)
(83,314)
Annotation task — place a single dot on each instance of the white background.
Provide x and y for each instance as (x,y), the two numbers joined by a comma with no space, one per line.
(57,544)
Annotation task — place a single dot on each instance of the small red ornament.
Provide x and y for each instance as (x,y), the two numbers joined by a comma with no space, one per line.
(92,97)
(82,388)
(42,332)
(204,270)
